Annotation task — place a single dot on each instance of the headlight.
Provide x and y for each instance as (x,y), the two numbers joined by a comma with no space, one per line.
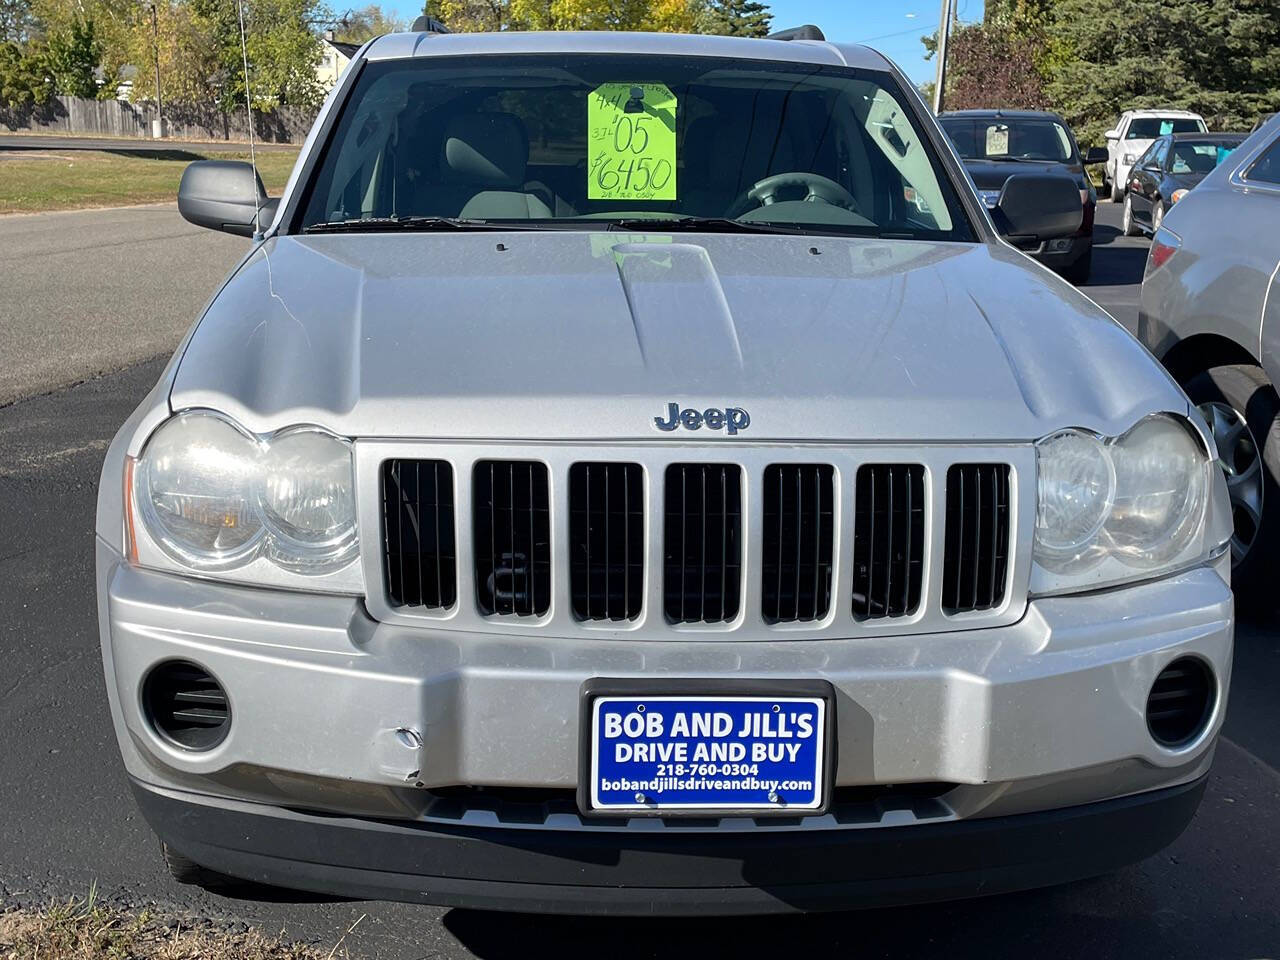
(1110,510)
(196,490)
(307,501)
(213,497)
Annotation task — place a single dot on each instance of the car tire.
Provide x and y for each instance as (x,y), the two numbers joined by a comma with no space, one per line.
(1128,226)
(1251,461)
(1157,215)
(186,871)
(1078,272)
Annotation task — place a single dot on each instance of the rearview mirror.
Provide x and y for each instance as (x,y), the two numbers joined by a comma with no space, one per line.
(224,195)
(1096,155)
(1039,206)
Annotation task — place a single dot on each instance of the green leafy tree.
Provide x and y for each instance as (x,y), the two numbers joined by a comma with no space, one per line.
(1220,59)
(493,15)
(367,23)
(24,77)
(283,52)
(73,58)
(733,18)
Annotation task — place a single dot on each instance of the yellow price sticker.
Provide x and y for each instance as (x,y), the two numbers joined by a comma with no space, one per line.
(631,142)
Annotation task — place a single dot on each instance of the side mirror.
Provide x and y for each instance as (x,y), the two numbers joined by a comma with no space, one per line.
(1111,135)
(224,195)
(1039,206)
(1096,155)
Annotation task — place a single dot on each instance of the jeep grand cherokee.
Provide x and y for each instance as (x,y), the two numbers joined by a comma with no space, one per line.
(629,473)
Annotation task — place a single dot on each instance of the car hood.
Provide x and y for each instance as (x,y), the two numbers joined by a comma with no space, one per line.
(590,335)
(991,174)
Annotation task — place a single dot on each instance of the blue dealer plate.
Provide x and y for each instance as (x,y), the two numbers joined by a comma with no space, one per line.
(747,753)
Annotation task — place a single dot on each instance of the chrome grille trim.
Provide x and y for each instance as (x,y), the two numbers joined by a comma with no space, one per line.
(653,459)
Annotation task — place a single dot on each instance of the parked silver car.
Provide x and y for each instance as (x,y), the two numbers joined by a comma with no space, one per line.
(630,473)
(1211,312)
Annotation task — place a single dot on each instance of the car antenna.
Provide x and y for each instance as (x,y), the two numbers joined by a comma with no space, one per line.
(248,109)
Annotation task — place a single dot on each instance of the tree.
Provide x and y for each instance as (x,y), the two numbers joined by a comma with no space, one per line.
(16,21)
(1106,56)
(999,62)
(283,52)
(367,23)
(734,18)
(24,77)
(492,15)
(73,58)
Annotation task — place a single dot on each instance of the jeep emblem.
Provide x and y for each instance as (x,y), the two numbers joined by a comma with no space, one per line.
(730,419)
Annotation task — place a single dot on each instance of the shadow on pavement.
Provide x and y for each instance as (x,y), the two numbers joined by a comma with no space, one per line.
(1083,917)
(61,146)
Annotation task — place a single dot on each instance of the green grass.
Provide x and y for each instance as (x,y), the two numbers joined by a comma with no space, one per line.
(37,180)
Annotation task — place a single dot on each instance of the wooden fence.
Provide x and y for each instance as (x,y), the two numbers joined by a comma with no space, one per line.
(116,118)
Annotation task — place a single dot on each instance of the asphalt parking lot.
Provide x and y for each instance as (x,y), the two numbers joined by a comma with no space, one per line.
(69,822)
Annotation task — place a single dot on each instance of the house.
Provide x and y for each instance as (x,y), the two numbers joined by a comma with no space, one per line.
(334,57)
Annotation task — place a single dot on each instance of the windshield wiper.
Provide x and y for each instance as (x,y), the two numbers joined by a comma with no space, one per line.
(388,224)
(700,225)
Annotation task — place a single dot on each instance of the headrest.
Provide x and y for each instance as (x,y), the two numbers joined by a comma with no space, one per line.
(486,148)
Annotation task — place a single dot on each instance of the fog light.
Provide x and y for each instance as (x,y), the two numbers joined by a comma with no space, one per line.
(186,706)
(1181,702)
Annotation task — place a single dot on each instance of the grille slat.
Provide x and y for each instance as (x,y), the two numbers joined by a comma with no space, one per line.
(420,557)
(511,514)
(976,561)
(606,540)
(696,514)
(798,542)
(888,540)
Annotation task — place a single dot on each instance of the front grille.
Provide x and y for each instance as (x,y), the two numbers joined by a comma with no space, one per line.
(512,527)
(888,540)
(798,535)
(606,540)
(420,555)
(977,547)
(702,553)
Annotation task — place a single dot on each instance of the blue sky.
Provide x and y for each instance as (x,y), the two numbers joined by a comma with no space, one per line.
(893,27)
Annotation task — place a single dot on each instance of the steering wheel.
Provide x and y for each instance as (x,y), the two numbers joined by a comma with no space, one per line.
(818,187)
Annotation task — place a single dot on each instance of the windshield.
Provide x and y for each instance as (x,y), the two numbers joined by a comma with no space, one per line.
(601,142)
(1190,156)
(1009,138)
(1148,128)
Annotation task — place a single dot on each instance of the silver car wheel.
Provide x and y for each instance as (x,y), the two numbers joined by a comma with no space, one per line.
(1126,219)
(1157,216)
(1239,457)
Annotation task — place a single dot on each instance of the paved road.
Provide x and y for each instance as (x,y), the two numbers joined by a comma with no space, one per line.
(41,141)
(91,291)
(68,821)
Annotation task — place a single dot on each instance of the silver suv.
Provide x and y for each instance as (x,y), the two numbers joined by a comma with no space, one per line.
(629,473)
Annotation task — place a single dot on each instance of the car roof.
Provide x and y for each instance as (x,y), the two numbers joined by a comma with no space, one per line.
(1162,112)
(1003,115)
(394,46)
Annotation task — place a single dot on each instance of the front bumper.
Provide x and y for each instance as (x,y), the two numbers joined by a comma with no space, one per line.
(669,872)
(372,727)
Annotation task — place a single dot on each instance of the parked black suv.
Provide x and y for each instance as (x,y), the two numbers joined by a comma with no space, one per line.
(996,144)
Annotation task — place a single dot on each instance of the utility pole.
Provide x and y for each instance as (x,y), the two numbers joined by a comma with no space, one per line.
(944,32)
(158,130)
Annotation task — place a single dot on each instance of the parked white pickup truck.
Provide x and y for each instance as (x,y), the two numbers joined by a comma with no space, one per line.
(1130,137)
